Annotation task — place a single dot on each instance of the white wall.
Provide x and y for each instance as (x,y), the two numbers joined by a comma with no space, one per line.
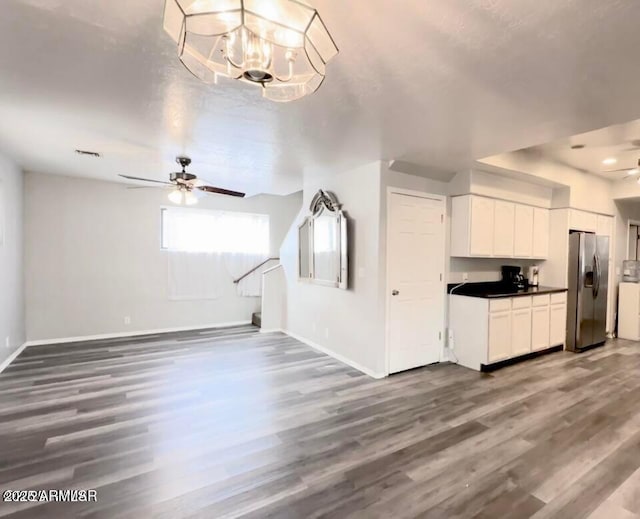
(347,323)
(93,257)
(12,320)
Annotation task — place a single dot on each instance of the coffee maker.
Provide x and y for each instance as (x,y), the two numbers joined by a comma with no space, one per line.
(513,277)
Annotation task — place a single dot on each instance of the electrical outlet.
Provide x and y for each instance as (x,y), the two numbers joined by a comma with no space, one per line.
(7,342)
(465,276)
(450,342)
(127,319)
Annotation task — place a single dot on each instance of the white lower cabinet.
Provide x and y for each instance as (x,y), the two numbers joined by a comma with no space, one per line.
(489,331)
(521,332)
(540,324)
(558,324)
(499,336)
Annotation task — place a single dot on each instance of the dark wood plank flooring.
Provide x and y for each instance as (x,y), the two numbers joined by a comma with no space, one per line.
(233,423)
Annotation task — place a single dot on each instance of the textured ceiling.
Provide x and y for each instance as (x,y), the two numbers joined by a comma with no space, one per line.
(438,83)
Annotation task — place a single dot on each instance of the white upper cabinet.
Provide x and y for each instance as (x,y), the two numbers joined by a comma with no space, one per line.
(541,233)
(482,224)
(604,225)
(503,229)
(524,232)
(582,221)
(488,228)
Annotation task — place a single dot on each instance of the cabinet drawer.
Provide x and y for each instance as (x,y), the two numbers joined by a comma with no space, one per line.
(542,300)
(500,305)
(521,302)
(557,299)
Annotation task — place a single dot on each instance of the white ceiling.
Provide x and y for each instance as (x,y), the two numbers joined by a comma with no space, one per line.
(438,83)
(620,142)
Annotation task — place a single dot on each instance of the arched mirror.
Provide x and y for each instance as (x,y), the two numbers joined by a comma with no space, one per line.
(323,242)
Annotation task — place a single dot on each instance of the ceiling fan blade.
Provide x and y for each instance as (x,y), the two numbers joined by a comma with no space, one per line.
(221,191)
(619,170)
(145,179)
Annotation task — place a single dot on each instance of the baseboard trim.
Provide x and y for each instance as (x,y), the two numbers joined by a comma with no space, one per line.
(12,357)
(274,330)
(120,335)
(335,355)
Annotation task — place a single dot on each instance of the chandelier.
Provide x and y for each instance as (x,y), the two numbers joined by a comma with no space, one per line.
(282,46)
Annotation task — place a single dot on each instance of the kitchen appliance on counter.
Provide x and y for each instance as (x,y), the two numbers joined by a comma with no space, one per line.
(512,277)
(631,271)
(588,290)
(534,276)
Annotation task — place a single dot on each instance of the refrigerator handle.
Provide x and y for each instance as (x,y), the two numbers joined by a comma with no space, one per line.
(596,274)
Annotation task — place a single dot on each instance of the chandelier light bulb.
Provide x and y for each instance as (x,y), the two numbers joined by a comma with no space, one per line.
(281,46)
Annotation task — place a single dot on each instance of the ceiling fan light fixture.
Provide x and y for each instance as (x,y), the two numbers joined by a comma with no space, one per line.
(176,196)
(282,46)
(190,198)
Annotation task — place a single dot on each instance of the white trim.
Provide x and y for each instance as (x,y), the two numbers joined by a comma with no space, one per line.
(335,355)
(442,356)
(275,267)
(416,193)
(45,342)
(630,222)
(5,363)
(274,330)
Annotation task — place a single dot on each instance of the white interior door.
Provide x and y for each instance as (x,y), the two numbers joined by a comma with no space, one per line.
(416,292)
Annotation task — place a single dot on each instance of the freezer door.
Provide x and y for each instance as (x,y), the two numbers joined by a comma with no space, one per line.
(588,282)
(574,298)
(601,291)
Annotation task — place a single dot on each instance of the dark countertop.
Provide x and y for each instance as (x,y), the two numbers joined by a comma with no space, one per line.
(495,290)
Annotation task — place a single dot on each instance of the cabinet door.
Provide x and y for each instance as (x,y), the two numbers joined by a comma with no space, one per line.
(582,221)
(499,336)
(482,218)
(523,247)
(604,226)
(503,229)
(540,328)
(540,233)
(521,332)
(558,325)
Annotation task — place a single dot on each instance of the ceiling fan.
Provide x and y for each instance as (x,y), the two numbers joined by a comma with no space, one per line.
(630,171)
(184,186)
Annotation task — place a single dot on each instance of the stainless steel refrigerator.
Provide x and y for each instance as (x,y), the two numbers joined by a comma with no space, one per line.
(588,289)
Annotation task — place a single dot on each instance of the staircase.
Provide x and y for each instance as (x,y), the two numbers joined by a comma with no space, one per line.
(256,319)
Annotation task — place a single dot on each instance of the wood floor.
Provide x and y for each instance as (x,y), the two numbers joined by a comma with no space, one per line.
(235,423)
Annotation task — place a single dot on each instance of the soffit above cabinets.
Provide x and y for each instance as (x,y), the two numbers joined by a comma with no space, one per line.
(603,152)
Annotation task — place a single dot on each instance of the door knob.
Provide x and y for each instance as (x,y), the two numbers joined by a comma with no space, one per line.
(394,292)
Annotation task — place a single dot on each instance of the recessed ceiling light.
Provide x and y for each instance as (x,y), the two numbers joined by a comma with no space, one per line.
(610,161)
(577,146)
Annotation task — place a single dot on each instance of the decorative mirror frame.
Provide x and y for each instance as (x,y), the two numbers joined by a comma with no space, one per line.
(324,202)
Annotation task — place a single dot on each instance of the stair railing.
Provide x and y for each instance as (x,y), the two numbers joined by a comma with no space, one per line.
(236,281)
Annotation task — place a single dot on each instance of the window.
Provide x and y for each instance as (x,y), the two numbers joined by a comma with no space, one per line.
(195,230)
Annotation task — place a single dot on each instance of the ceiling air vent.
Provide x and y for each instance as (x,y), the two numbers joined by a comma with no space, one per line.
(88,153)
